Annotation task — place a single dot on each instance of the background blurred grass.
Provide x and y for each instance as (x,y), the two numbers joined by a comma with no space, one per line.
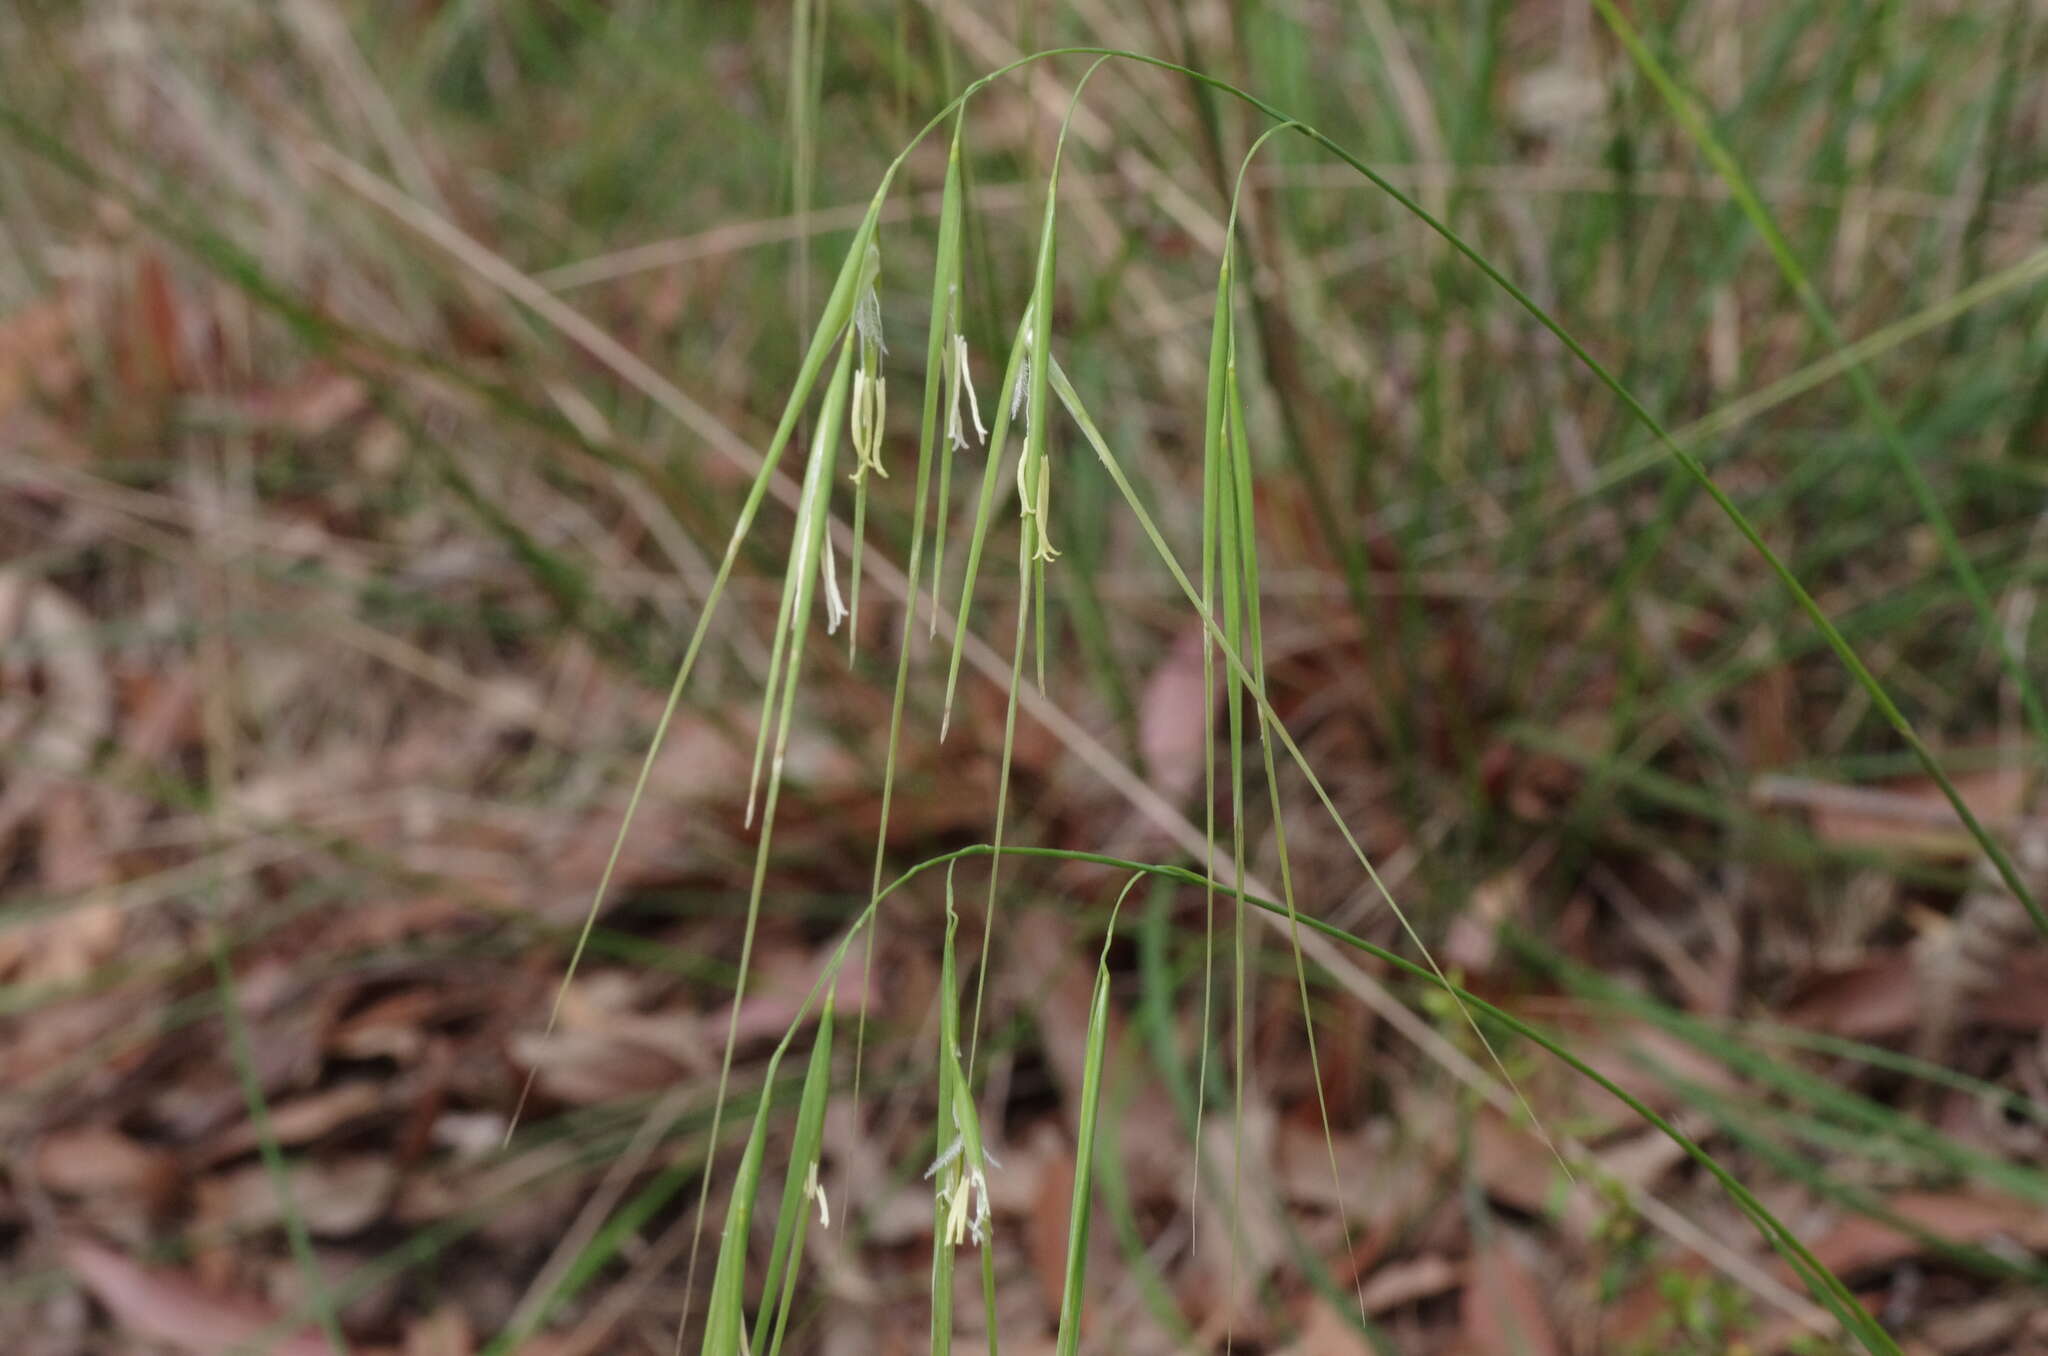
(344,586)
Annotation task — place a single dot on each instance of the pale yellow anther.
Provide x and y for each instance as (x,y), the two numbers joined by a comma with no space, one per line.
(956,1214)
(958,381)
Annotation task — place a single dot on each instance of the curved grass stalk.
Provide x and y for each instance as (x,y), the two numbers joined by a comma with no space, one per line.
(1825,1286)
(1718,155)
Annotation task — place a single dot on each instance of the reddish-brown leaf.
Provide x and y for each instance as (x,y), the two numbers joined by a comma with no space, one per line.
(1503,1310)
(169,1306)
(90,1159)
(35,350)
(1859,1243)
(1173,718)
(1881,998)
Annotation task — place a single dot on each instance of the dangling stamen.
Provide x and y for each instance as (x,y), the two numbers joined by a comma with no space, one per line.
(1045,551)
(835,605)
(878,392)
(857,421)
(869,414)
(867,418)
(815,1190)
(959,381)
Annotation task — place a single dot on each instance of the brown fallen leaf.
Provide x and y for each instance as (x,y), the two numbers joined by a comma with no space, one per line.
(68,712)
(1384,1185)
(1156,1157)
(445,1332)
(169,1306)
(1995,1323)
(50,1044)
(36,352)
(1875,998)
(155,357)
(781,987)
(1514,1165)
(1881,998)
(392,1027)
(1860,1243)
(1503,1312)
(586,1068)
(1409,1280)
(1045,1227)
(335,1197)
(1327,1331)
(311,405)
(72,858)
(302,1119)
(1641,1317)
(91,1159)
(1174,714)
